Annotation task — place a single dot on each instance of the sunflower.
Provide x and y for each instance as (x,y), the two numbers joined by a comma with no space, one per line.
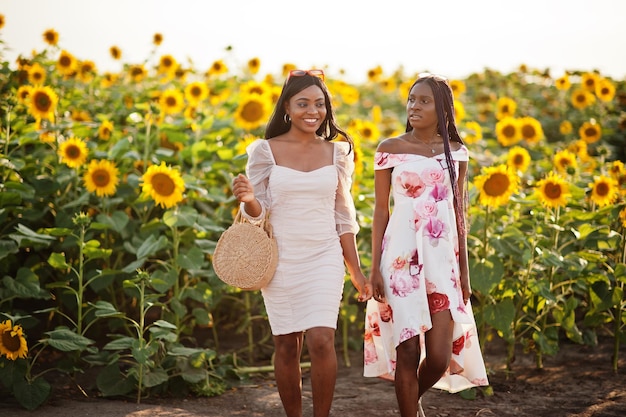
(590,131)
(617,169)
(105,130)
(458,87)
(86,70)
(563,83)
(36,74)
(388,85)
(505,107)
(374,74)
(51,37)
(471,132)
(579,148)
(217,68)
(137,73)
(164,185)
(518,159)
(605,90)
(23,93)
(73,152)
(368,131)
(108,79)
(582,98)
(552,191)
(171,101)
(157,39)
(42,102)
(508,131)
(196,92)
(80,116)
(531,129)
(66,63)
(459,111)
(167,65)
(287,67)
(242,144)
(12,341)
(566,127)
(565,161)
(116,52)
(496,185)
(254,65)
(47,137)
(589,80)
(252,111)
(604,190)
(2,21)
(101,178)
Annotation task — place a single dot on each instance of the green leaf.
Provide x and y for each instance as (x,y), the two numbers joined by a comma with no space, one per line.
(152,378)
(194,375)
(120,344)
(151,246)
(104,309)
(25,237)
(164,324)
(501,316)
(7,247)
(25,285)
(57,260)
(111,381)
(486,274)
(191,260)
(31,394)
(184,216)
(66,340)
(117,221)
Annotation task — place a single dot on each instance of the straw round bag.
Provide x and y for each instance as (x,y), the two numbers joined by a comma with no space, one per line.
(246,255)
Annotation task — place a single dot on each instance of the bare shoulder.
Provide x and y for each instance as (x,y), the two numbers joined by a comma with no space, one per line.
(392,145)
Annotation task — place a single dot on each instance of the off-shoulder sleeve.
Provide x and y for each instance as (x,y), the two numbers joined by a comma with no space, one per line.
(461,154)
(258,169)
(384,160)
(345,212)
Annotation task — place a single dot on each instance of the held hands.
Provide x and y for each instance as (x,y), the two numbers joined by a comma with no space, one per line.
(243,189)
(378,286)
(363,287)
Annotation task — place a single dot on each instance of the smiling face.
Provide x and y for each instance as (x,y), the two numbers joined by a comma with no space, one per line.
(307,109)
(420,107)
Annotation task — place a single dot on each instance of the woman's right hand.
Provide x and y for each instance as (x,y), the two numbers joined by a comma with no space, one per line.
(243,189)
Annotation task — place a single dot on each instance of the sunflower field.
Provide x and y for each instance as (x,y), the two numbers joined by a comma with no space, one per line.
(115,187)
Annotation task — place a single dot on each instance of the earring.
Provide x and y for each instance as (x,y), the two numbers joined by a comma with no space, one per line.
(286,118)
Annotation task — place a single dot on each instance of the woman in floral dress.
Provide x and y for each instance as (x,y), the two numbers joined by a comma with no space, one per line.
(420,328)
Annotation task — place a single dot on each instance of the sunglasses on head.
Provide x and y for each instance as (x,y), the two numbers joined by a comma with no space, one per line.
(313,72)
(429,75)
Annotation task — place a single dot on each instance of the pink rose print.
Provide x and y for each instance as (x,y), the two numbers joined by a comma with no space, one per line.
(425,209)
(372,325)
(406,334)
(438,302)
(439,192)
(386,312)
(399,263)
(369,355)
(402,285)
(435,229)
(381,158)
(458,344)
(432,176)
(411,183)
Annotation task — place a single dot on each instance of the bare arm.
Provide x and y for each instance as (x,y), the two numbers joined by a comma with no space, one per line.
(462,232)
(382,187)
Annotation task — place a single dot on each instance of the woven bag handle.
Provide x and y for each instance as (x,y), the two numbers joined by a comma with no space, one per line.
(263,223)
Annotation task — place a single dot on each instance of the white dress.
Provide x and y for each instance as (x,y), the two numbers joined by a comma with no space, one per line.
(308,212)
(420,269)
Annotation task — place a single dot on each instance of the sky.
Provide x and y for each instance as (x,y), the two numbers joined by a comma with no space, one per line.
(454,38)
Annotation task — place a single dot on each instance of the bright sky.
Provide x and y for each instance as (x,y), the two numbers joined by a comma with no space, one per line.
(450,37)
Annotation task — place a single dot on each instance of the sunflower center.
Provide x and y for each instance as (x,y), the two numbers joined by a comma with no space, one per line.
(196,92)
(590,132)
(518,160)
(552,190)
(72,152)
(528,131)
(171,101)
(163,184)
(11,343)
(42,102)
(602,189)
(101,178)
(509,131)
(65,61)
(252,111)
(497,184)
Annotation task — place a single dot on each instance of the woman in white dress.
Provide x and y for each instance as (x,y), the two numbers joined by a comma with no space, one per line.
(420,328)
(304,181)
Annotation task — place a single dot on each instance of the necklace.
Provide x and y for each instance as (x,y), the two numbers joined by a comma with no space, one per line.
(429,144)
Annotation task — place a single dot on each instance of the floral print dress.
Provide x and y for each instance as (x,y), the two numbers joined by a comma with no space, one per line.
(420,269)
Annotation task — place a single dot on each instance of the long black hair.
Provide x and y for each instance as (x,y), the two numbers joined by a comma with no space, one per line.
(329,129)
(446,127)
